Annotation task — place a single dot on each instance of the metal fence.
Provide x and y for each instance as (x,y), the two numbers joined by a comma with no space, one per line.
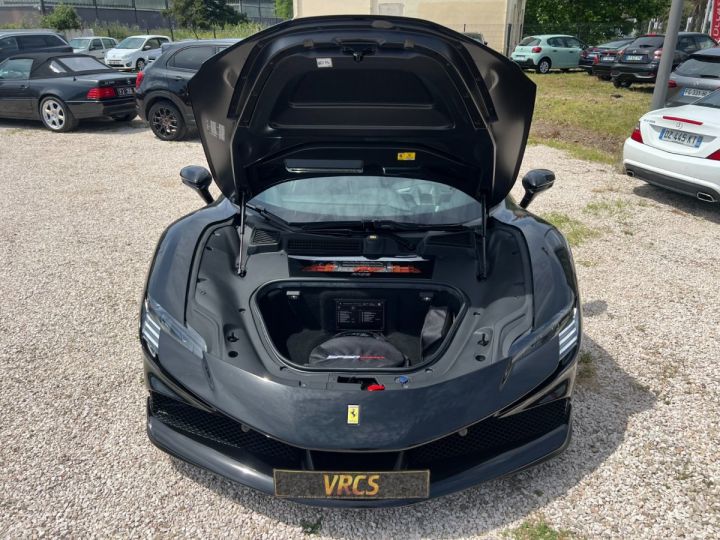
(262,11)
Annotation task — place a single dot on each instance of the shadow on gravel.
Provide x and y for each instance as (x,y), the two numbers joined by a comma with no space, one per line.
(682,204)
(100,126)
(605,398)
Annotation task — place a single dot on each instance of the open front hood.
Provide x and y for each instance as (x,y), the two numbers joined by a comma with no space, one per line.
(362,95)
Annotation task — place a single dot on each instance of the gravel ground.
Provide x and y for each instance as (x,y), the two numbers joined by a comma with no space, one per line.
(81,214)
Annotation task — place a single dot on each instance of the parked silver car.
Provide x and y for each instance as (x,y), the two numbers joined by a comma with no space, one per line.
(695,78)
(93,46)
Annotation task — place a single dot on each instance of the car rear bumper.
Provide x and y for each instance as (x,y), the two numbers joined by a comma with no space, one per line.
(99,109)
(525,63)
(634,72)
(602,70)
(693,176)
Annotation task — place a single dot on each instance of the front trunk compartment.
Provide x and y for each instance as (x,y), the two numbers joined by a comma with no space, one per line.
(415,319)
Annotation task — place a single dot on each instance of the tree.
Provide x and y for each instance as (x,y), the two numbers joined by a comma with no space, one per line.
(62,18)
(591,20)
(204,14)
(284,9)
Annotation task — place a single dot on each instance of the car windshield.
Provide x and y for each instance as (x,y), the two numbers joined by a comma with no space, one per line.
(79,64)
(529,42)
(350,198)
(648,42)
(702,68)
(130,43)
(711,100)
(79,43)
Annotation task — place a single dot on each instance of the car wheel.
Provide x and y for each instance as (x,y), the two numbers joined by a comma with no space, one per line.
(621,84)
(125,118)
(140,64)
(544,66)
(167,122)
(56,115)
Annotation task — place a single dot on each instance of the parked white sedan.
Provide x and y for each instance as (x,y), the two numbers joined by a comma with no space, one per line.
(679,149)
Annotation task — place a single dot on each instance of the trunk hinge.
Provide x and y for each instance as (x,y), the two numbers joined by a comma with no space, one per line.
(241,261)
(481,263)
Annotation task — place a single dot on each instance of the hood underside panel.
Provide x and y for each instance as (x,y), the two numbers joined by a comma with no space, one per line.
(363,95)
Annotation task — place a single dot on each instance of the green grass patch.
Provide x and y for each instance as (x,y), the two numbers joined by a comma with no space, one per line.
(616,207)
(311,527)
(537,529)
(576,110)
(577,150)
(575,231)
(586,368)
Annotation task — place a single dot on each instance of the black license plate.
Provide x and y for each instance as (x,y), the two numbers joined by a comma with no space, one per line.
(126,91)
(352,485)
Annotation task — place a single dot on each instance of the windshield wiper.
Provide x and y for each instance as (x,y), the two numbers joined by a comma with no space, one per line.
(267,215)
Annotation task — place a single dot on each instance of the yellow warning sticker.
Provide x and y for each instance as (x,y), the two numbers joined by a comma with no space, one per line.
(353,415)
(406,156)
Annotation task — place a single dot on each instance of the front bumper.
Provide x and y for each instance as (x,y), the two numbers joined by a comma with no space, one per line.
(641,73)
(688,175)
(121,64)
(496,446)
(100,109)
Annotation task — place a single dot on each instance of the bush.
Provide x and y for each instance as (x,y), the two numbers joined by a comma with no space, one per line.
(62,18)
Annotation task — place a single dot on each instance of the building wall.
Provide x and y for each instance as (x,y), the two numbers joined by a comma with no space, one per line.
(499,21)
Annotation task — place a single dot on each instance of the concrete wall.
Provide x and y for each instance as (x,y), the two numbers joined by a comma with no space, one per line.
(499,21)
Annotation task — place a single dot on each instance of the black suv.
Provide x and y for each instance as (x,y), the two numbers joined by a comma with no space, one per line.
(21,41)
(640,60)
(161,89)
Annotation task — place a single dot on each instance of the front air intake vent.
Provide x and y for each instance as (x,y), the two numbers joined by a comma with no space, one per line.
(324,246)
(261,237)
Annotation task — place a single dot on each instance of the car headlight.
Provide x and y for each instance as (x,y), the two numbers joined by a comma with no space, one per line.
(155,320)
(569,335)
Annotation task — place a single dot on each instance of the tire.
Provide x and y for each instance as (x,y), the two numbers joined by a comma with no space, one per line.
(140,64)
(544,66)
(166,121)
(621,84)
(125,118)
(56,115)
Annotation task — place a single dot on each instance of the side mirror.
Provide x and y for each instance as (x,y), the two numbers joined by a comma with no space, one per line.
(147,47)
(534,182)
(198,178)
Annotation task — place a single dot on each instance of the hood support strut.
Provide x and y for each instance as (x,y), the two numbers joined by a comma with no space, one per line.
(481,262)
(241,260)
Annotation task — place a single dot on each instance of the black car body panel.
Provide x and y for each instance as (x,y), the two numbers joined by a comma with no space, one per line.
(13,42)
(226,392)
(459,106)
(20,98)
(164,80)
(641,58)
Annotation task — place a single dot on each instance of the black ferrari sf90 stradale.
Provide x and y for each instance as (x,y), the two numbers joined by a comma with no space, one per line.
(364,317)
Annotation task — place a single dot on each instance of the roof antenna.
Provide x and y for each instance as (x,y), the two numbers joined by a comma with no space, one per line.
(241,271)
